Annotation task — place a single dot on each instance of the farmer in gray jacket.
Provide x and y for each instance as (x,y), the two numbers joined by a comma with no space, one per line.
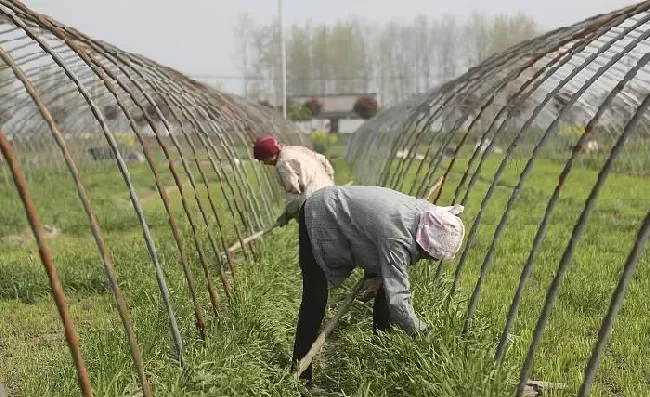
(380,230)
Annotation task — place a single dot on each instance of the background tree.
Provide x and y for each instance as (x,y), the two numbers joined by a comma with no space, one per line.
(244,36)
(299,62)
(477,39)
(394,59)
(366,107)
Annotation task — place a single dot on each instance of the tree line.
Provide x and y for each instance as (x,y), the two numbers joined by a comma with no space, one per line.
(394,59)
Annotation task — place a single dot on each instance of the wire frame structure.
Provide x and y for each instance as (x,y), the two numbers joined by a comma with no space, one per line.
(73,108)
(547,146)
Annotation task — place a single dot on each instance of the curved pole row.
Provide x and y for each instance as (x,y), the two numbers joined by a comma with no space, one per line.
(104,77)
(529,164)
(190,124)
(177,348)
(96,230)
(188,112)
(575,236)
(502,223)
(537,241)
(229,155)
(578,60)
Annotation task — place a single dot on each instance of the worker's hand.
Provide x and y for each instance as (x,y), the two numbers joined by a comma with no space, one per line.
(282,220)
(369,289)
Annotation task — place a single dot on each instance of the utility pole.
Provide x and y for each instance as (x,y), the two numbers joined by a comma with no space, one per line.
(246,64)
(417,60)
(311,88)
(365,64)
(283,55)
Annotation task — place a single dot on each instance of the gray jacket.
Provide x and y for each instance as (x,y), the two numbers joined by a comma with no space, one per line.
(371,227)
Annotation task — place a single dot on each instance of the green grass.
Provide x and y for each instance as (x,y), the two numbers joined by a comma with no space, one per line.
(248,350)
(249,346)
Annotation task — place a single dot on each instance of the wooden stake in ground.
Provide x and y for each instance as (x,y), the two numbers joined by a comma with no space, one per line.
(434,188)
(331,326)
(536,388)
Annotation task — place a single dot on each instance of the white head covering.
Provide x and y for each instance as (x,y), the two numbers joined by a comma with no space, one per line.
(440,232)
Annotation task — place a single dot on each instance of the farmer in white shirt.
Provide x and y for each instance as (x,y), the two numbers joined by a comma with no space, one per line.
(380,230)
(300,170)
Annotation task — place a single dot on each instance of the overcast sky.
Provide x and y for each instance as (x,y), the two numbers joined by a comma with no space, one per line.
(196,36)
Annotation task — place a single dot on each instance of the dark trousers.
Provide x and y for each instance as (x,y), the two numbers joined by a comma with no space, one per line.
(314,301)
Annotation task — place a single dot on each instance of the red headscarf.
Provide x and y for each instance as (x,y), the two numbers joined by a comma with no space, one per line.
(265,147)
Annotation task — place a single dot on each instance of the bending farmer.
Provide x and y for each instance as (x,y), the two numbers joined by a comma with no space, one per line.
(300,170)
(380,230)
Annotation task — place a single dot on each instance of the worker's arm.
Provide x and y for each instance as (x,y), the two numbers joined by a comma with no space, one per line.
(288,171)
(326,164)
(394,259)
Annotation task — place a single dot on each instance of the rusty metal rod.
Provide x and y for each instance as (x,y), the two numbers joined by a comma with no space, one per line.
(46,259)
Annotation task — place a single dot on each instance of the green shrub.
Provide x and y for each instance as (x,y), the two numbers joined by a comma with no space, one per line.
(298,111)
(321,141)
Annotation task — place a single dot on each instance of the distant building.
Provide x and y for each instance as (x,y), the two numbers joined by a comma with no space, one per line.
(337,114)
